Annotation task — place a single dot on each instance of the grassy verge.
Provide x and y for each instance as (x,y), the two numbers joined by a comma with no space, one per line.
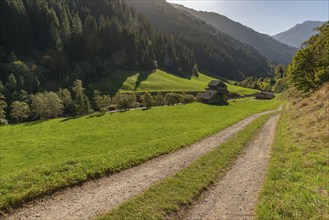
(172,193)
(296,186)
(42,157)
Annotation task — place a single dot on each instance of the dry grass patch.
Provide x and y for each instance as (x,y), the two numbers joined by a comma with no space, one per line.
(297,183)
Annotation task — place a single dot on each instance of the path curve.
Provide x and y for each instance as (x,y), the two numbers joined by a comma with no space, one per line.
(98,196)
(235,195)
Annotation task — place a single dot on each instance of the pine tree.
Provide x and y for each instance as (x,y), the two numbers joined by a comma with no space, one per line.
(82,103)
(65,96)
(65,25)
(3,106)
(11,83)
(76,24)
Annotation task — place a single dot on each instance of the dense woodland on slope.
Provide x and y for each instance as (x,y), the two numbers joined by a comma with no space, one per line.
(272,49)
(82,40)
(60,41)
(310,66)
(48,44)
(214,51)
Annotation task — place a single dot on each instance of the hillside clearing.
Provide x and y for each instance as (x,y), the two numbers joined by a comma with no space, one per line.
(159,81)
(70,151)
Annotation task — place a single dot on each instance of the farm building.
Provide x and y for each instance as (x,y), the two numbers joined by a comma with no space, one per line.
(264,95)
(216,93)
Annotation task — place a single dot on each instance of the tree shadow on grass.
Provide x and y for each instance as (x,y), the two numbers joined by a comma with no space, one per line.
(96,115)
(68,119)
(112,82)
(35,122)
(142,76)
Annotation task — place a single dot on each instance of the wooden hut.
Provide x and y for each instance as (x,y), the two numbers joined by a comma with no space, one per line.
(216,93)
(264,95)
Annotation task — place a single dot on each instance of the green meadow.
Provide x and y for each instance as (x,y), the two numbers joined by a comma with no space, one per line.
(67,151)
(159,81)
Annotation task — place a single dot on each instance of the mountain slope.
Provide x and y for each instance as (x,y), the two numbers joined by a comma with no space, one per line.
(298,34)
(159,81)
(274,50)
(215,52)
(80,39)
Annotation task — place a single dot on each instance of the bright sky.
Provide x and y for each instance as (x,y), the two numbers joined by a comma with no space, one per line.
(265,16)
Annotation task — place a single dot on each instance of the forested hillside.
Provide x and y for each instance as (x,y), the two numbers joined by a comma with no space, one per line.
(47,44)
(272,49)
(310,66)
(214,51)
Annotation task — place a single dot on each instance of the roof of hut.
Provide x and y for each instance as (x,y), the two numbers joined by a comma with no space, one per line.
(208,94)
(217,83)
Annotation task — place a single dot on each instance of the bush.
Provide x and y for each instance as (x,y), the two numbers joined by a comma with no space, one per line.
(188,99)
(47,105)
(103,102)
(19,110)
(173,98)
(125,101)
(159,100)
(147,100)
(280,85)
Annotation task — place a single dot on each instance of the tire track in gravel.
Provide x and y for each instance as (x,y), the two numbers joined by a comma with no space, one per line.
(235,195)
(98,196)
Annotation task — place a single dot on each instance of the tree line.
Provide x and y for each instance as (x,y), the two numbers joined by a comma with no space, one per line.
(74,102)
(278,83)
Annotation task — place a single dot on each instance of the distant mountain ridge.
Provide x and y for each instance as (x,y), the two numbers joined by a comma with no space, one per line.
(298,34)
(214,51)
(272,49)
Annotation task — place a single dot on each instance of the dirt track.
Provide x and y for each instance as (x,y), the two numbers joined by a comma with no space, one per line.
(235,195)
(98,196)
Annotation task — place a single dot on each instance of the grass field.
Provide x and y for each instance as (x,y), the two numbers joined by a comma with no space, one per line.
(64,152)
(296,186)
(169,196)
(158,80)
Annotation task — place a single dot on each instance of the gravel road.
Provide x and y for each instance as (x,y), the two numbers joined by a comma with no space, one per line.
(98,196)
(235,195)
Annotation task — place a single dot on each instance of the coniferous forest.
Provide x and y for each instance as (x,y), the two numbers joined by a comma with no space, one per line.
(49,44)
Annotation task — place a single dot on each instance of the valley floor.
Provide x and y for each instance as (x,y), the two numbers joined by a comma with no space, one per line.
(96,197)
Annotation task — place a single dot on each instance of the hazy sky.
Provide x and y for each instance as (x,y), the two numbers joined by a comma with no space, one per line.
(265,16)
